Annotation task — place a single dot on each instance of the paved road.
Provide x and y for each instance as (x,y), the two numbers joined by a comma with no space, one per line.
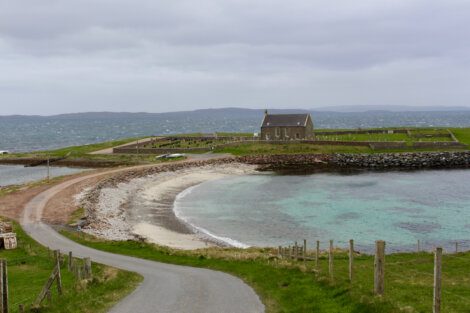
(166,287)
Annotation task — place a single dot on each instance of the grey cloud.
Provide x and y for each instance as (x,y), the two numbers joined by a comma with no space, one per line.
(95,54)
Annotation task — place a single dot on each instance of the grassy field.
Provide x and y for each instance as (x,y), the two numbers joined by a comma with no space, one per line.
(290,286)
(288,148)
(382,137)
(30,265)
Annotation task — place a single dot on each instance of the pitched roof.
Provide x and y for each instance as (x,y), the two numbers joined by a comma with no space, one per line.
(279,120)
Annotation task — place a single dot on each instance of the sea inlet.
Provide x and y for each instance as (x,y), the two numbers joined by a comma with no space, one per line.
(269,209)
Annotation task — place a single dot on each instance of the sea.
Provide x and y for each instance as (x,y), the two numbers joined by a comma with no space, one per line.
(402,207)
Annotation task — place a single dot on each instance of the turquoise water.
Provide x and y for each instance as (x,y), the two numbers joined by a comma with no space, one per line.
(398,207)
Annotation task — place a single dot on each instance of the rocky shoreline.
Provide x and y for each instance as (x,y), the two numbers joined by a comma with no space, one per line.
(412,160)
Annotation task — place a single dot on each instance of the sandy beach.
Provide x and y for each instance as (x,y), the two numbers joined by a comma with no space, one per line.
(142,208)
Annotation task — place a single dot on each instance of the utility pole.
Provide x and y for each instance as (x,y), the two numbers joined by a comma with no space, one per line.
(48,169)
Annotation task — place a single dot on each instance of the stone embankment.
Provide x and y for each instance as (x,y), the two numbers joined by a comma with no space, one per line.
(402,160)
(371,161)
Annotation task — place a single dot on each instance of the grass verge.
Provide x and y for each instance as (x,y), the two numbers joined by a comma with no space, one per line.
(30,265)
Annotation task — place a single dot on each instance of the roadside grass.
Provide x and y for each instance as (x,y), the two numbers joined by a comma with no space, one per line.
(291,286)
(30,265)
(76,215)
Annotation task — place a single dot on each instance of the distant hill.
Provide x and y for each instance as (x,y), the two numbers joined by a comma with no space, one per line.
(390,108)
(247,113)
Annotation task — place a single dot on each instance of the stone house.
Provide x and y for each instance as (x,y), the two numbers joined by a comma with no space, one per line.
(286,127)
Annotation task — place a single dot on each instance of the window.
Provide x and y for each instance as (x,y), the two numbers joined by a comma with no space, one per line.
(297,135)
(286,133)
(278,132)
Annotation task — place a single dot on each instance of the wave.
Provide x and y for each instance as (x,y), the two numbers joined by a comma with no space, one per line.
(225,240)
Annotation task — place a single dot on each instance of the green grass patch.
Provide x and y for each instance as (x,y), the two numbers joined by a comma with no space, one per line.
(76,215)
(289,148)
(30,265)
(462,135)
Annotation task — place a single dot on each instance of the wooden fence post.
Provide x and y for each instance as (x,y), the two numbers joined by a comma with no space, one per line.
(87,268)
(379,267)
(46,287)
(317,253)
(418,246)
(351,259)
(279,251)
(456,247)
(330,260)
(296,251)
(70,261)
(59,277)
(305,249)
(3,286)
(437,280)
(21,308)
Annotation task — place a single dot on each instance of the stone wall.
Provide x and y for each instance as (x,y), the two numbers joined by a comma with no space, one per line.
(402,160)
(371,161)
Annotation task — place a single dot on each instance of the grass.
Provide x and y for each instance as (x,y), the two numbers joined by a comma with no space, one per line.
(289,148)
(462,134)
(82,154)
(290,286)
(30,265)
(76,215)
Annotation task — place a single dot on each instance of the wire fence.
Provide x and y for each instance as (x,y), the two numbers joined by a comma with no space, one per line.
(422,270)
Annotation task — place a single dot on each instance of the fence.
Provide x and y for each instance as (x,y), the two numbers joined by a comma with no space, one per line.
(82,269)
(298,252)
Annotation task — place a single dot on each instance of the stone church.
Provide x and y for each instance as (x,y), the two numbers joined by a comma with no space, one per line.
(286,127)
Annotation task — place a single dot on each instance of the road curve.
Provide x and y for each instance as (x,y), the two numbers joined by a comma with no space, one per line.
(166,287)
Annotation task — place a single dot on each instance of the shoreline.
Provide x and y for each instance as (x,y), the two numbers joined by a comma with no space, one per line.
(142,208)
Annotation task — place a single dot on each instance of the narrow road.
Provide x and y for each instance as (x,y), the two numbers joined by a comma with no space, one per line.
(166,287)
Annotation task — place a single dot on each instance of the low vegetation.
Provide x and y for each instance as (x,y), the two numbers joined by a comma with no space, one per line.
(292,286)
(289,148)
(30,265)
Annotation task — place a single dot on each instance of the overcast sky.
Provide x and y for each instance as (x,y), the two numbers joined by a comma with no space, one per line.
(61,56)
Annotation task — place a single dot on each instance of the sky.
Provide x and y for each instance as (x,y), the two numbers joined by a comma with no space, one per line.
(61,56)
